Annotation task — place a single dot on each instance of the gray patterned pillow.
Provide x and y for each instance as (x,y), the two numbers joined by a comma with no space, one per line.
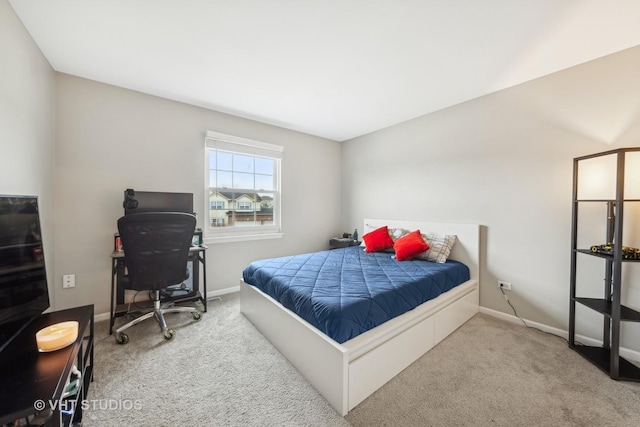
(395,234)
(439,247)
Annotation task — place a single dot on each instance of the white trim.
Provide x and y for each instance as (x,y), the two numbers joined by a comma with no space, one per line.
(225,291)
(513,319)
(228,238)
(100,317)
(221,141)
(627,353)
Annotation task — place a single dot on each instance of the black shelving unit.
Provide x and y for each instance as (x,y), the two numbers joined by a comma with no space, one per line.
(607,357)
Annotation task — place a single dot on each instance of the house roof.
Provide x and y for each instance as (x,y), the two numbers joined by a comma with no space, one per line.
(230,195)
(333,68)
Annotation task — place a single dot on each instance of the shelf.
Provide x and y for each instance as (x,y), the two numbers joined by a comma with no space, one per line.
(604,307)
(44,376)
(609,167)
(605,256)
(606,200)
(601,358)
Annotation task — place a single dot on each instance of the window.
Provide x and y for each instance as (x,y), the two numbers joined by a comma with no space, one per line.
(244,206)
(243,188)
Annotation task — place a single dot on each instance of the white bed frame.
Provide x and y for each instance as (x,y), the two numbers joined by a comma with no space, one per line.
(346,374)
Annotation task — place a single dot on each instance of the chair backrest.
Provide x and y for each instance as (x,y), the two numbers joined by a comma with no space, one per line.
(156,247)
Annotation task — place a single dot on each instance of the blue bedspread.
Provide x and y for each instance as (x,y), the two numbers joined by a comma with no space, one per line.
(345,292)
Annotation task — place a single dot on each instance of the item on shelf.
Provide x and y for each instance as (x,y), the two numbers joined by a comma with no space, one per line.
(57,336)
(76,372)
(71,389)
(355,234)
(609,249)
(342,242)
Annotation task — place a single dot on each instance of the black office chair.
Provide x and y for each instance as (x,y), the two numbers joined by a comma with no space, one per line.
(156,248)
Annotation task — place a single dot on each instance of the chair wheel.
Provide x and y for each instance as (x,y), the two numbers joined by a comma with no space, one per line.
(197,315)
(168,334)
(122,339)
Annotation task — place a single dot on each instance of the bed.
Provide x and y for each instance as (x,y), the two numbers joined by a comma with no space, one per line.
(345,372)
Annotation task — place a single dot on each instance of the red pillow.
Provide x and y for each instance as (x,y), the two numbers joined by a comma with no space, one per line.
(377,240)
(409,246)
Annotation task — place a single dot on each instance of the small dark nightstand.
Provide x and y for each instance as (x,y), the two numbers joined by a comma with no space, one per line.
(339,242)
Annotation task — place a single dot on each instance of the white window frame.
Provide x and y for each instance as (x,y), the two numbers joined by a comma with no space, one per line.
(235,144)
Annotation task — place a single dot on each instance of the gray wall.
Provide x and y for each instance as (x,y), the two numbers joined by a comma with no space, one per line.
(27,123)
(109,139)
(505,161)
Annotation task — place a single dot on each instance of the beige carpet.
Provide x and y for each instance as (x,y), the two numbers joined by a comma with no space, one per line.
(492,373)
(222,372)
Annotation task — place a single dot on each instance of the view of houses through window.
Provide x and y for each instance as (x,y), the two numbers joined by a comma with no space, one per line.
(242,190)
(243,186)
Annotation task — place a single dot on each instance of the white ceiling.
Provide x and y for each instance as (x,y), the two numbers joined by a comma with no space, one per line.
(332,68)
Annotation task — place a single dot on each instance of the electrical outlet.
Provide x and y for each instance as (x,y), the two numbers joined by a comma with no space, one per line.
(504,285)
(68,281)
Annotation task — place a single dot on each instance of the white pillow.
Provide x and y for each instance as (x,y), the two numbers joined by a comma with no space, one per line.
(439,247)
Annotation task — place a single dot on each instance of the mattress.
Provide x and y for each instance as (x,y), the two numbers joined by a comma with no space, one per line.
(345,292)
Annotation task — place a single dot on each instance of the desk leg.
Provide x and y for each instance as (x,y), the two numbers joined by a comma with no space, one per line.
(112,312)
(204,280)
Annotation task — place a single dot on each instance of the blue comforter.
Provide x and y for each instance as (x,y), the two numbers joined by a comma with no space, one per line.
(345,292)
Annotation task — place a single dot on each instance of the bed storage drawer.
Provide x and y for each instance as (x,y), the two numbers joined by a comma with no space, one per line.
(447,321)
(372,370)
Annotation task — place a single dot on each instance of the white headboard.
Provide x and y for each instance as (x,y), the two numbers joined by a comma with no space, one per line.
(467,246)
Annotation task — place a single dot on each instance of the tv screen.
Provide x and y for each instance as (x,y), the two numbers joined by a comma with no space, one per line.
(156,201)
(24,293)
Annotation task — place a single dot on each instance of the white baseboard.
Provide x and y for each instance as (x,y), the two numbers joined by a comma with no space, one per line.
(100,317)
(224,291)
(210,295)
(631,355)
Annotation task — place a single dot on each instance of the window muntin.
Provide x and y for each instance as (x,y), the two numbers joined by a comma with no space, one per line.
(243,186)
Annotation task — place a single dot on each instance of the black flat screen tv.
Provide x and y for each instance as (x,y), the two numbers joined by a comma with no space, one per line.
(24,293)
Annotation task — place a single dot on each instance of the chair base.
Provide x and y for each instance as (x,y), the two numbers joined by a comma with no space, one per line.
(158,312)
